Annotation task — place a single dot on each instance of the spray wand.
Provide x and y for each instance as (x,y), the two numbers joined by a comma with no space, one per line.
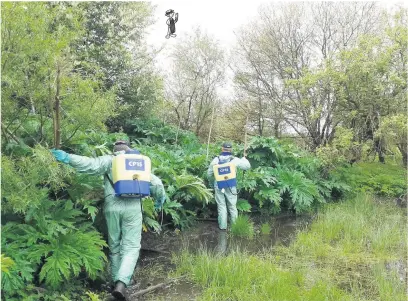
(246,131)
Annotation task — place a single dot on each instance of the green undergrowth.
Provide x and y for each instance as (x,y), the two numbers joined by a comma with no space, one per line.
(265,229)
(387,180)
(243,226)
(354,250)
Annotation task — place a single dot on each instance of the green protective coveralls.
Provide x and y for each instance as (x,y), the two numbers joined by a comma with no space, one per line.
(227,198)
(123,216)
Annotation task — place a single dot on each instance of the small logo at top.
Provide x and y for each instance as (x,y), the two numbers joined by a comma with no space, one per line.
(171,23)
(134,164)
(224,170)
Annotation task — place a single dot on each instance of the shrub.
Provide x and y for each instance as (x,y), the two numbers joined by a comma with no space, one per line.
(282,176)
(381,179)
(55,242)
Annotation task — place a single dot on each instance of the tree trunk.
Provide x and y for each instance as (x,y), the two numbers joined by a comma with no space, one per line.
(178,129)
(187,119)
(276,129)
(379,150)
(404,159)
(260,125)
(403,149)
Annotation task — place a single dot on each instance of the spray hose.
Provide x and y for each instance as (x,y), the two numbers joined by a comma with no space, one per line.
(229,187)
(136,178)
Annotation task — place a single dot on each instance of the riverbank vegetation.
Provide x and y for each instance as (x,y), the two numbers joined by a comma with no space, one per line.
(322,100)
(355,250)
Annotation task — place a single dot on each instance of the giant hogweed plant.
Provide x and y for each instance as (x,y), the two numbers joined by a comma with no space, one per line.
(183,191)
(153,132)
(50,240)
(55,240)
(284,176)
(180,172)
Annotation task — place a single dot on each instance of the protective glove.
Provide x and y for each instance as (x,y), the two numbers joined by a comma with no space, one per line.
(60,155)
(158,205)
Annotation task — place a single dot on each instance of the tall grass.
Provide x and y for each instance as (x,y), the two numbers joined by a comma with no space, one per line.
(353,251)
(241,276)
(243,226)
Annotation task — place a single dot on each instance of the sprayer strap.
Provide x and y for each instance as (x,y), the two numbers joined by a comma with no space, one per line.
(110,181)
(229,160)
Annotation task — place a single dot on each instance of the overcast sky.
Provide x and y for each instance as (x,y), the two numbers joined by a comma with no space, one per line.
(218,18)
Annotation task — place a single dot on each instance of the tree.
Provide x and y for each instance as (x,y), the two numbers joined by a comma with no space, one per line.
(113,30)
(45,101)
(39,83)
(393,131)
(192,84)
(374,81)
(284,62)
(113,48)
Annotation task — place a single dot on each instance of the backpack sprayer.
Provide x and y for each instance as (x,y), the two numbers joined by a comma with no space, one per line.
(131,175)
(225,174)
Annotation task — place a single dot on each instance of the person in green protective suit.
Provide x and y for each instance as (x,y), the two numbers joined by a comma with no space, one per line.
(226,198)
(123,215)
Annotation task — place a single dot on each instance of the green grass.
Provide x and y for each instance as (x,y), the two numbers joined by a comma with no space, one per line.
(241,276)
(243,226)
(265,229)
(354,250)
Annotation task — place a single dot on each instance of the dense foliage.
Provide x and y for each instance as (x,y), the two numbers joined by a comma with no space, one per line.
(283,176)
(49,237)
(49,200)
(372,177)
(79,76)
